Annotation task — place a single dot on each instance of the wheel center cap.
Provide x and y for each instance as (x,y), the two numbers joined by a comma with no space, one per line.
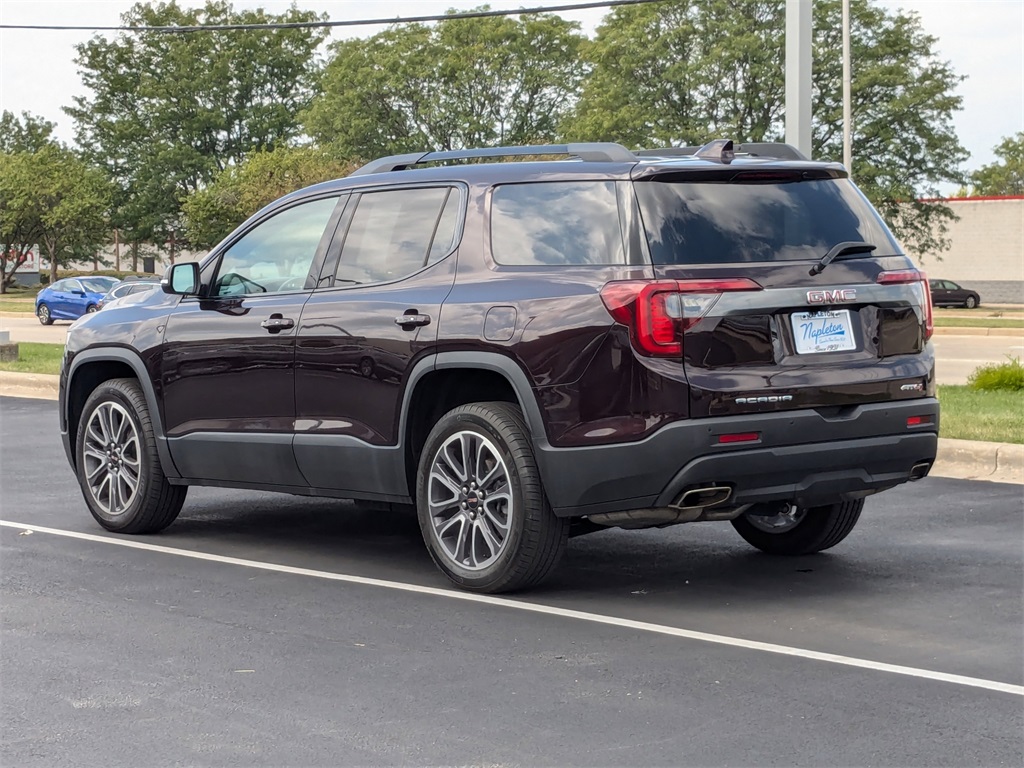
(473,500)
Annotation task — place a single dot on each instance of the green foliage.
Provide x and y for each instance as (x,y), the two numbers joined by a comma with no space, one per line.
(166,113)
(36,358)
(459,83)
(29,134)
(1006,377)
(704,69)
(240,190)
(972,414)
(714,68)
(1005,177)
(54,199)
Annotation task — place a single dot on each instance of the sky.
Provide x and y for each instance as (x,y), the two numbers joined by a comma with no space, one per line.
(983,39)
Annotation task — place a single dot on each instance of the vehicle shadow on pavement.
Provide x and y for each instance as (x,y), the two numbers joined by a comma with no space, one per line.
(702,564)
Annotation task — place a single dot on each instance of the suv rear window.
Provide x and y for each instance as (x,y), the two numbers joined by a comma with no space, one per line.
(556,223)
(723,222)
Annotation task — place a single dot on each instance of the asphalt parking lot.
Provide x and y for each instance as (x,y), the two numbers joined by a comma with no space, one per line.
(243,636)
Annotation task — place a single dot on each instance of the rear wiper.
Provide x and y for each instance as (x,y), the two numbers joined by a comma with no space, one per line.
(850,246)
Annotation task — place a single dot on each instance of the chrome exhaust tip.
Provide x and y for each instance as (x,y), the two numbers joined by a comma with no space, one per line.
(700,498)
(920,470)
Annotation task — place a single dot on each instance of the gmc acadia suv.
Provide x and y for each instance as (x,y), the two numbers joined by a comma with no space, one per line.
(525,348)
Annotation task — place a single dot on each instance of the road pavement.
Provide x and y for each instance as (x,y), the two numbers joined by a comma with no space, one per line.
(957,356)
(115,656)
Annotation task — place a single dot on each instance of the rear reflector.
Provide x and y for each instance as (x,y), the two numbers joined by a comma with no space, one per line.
(740,437)
(658,312)
(903,276)
(916,421)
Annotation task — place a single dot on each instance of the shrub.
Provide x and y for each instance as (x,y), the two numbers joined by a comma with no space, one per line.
(1007,377)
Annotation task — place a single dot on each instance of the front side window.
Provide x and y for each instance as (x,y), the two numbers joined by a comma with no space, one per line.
(556,223)
(397,232)
(276,255)
(70,286)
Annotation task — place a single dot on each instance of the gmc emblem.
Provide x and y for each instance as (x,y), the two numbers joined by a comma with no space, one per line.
(838,296)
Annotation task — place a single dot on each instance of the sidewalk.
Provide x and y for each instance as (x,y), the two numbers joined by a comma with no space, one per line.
(959,459)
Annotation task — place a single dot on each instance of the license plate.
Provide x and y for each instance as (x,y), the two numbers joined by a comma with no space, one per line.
(828,331)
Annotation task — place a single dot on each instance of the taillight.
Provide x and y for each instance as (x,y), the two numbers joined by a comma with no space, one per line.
(898,276)
(658,312)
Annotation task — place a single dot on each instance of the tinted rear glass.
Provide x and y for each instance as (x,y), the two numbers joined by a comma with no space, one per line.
(728,222)
(556,223)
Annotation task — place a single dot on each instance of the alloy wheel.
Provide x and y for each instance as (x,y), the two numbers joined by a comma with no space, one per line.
(780,523)
(470,500)
(112,458)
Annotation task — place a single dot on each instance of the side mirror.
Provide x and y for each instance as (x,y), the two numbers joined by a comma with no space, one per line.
(181,279)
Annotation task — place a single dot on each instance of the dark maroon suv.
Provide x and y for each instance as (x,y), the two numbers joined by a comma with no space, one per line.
(521,349)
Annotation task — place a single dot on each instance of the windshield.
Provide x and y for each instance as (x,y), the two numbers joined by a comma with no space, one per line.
(95,285)
(725,222)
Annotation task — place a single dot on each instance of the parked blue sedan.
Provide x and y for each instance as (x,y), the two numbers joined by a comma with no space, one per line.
(71,298)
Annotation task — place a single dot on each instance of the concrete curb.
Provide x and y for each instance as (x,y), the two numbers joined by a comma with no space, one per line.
(979,331)
(958,459)
(975,460)
(37,385)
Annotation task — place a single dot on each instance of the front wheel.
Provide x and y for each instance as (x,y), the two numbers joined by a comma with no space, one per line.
(118,465)
(90,309)
(971,302)
(43,313)
(799,530)
(481,506)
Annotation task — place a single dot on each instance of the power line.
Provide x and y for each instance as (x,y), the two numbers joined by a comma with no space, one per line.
(346,23)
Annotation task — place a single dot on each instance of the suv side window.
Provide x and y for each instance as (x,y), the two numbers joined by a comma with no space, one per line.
(397,232)
(556,223)
(275,256)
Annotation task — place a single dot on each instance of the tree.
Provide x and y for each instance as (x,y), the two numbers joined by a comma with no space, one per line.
(168,112)
(1005,177)
(53,199)
(459,83)
(29,134)
(714,68)
(240,190)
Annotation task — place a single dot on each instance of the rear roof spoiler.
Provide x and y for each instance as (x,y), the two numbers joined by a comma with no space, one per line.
(776,150)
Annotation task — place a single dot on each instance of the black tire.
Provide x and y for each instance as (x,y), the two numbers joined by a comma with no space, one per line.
(43,313)
(535,540)
(91,308)
(818,530)
(367,367)
(970,302)
(156,503)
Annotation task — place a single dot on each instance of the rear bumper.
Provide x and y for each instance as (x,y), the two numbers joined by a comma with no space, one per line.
(801,456)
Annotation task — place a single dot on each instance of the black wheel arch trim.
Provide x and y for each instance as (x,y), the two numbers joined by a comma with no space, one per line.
(484,361)
(132,359)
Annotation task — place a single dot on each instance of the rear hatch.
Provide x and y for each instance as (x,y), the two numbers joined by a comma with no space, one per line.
(734,249)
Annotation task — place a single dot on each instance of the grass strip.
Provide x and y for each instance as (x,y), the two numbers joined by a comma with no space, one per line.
(36,358)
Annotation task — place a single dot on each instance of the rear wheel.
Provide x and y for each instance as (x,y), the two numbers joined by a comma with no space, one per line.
(971,302)
(800,530)
(43,313)
(482,510)
(90,309)
(118,465)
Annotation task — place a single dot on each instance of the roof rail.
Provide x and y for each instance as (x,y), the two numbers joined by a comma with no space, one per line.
(600,152)
(776,150)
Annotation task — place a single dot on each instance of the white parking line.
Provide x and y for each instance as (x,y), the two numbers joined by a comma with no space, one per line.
(550,610)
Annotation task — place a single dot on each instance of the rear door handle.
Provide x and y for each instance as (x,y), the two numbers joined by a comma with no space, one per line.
(409,322)
(276,323)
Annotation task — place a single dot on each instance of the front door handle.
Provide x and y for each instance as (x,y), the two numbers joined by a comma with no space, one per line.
(408,322)
(275,323)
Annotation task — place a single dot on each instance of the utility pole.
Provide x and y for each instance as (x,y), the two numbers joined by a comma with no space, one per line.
(847,108)
(798,75)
